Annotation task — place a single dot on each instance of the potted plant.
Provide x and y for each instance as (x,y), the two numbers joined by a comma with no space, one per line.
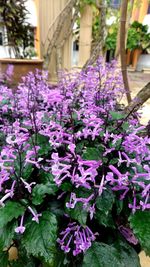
(74,173)
(137,37)
(19,38)
(110,44)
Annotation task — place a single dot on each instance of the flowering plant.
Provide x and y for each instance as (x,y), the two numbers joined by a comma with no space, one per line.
(74,173)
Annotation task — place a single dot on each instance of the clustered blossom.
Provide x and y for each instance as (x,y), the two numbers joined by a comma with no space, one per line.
(75,116)
(81,172)
(77,236)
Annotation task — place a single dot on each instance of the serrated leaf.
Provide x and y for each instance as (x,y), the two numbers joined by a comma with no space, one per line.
(57,208)
(117,115)
(39,240)
(47,186)
(78,213)
(23,263)
(27,171)
(46,177)
(119,206)
(20,263)
(103,255)
(125,126)
(41,190)
(104,219)
(59,260)
(43,142)
(4,259)
(105,201)
(91,153)
(10,211)
(104,204)
(140,223)
(6,234)
(66,186)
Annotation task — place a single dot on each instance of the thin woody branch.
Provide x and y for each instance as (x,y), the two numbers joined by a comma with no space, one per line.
(140,99)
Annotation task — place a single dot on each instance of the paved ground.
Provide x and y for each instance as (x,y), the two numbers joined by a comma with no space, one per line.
(137,81)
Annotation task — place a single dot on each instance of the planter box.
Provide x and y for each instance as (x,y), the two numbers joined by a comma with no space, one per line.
(136,54)
(143,62)
(21,66)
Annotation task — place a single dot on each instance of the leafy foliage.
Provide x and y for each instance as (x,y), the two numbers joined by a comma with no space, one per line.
(140,222)
(40,239)
(7,234)
(14,17)
(138,36)
(104,205)
(103,255)
(73,169)
(4,258)
(10,211)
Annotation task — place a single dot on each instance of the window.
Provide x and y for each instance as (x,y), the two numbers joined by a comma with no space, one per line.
(1,38)
(115,3)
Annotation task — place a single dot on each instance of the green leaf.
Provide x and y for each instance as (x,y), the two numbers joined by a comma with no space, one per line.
(47,186)
(59,260)
(105,201)
(119,206)
(41,190)
(4,259)
(78,213)
(104,204)
(91,153)
(23,263)
(39,240)
(125,126)
(66,186)
(117,115)
(103,255)
(10,211)
(28,169)
(140,223)
(43,142)
(46,177)
(104,219)
(6,234)
(24,260)
(57,208)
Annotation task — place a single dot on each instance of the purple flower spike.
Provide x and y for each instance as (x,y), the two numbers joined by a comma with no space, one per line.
(80,237)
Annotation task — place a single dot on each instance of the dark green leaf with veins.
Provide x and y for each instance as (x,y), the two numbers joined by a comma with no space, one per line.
(4,259)
(104,255)
(39,240)
(10,211)
(140,223)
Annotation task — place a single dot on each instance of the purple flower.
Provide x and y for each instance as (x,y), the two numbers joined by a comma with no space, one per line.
(27,185)
(128,234)
(35,215)
(80,237)
(20,229)
(8,195)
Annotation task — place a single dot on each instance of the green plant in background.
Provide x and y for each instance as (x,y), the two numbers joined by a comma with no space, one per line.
(19,32)
(111,40)
(138,36)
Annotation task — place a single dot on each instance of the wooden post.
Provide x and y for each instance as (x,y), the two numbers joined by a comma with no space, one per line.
(85,39)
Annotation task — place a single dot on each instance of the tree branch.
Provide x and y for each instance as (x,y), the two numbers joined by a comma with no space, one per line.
(98,48)
(122,48)
(142,96)
(62,18)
